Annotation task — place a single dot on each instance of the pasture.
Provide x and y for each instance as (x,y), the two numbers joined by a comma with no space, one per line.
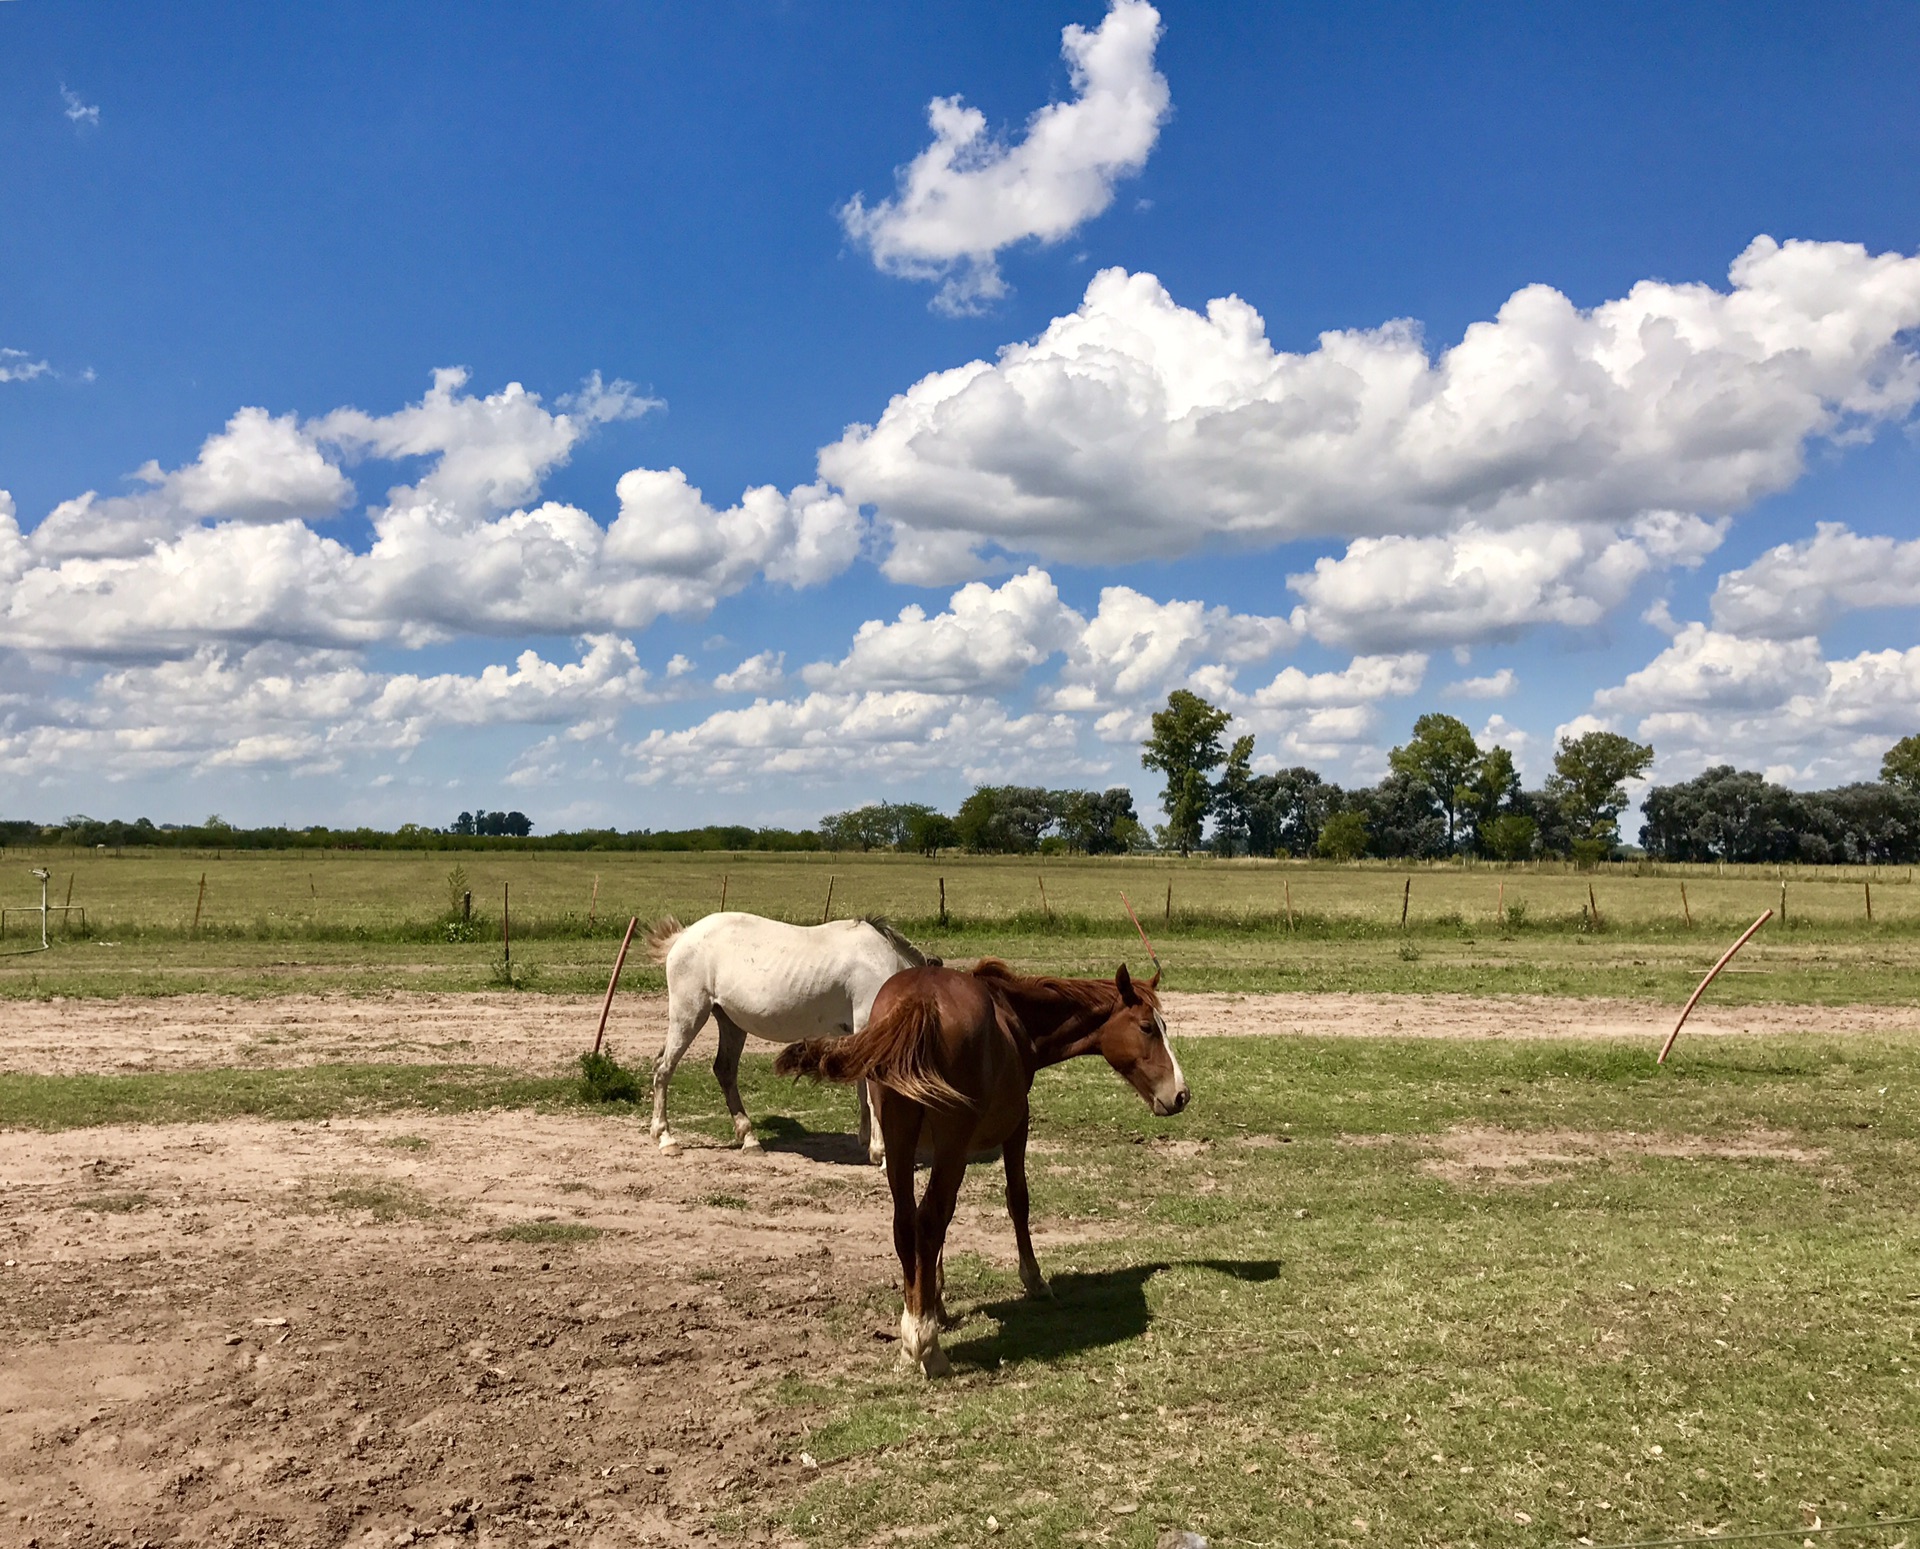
(288,1255)
(373,922)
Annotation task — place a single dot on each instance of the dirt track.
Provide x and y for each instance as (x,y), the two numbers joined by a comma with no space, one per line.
(543,1033)
(313,1334)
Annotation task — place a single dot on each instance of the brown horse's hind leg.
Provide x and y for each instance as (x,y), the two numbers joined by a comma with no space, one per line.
(935,1215)
(1015,1154)
(726,1070)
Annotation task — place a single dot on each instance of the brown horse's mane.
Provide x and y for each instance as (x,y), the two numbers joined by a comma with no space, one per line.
(1087,994)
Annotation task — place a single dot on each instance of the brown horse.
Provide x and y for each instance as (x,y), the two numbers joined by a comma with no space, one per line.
(951,1057)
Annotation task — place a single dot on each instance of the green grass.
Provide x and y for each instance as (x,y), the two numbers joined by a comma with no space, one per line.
(547,1233)
(377,1197)
(1695,1342)
(114,1204)
(374,923)
(1288,1279)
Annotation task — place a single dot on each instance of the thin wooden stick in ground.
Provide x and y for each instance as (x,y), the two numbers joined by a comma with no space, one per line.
(1168,915)
(1289,887)
(1685,907)
(725,878)
(1406,897)
(593,903)
(827,913)
(1694,999)
(1869,888)
(1142,929)
(943,900)
(506,927)
(613,983)
(1783,900)
(201,899)
(1046,907)
(1500,904)
(1596,906)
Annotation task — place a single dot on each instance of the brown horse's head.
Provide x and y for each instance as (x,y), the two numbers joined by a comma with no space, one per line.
(1135,1043)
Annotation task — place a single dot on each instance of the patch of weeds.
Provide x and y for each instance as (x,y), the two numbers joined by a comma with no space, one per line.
(379,1199)
(546,1232)
(603,1079)
(506,975)
(407,1142)
(726,1202)
(113,1204)
(1409,953)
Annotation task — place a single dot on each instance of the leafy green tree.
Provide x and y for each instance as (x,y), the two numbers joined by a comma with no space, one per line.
(1233,800)
(1343,837)
(1510,836)
(1901,766)
(929,832)
(1588,782)
(1492,785)
(1006,819)
(1441,755)
(1099,822)
(1184,746)
(1288,811)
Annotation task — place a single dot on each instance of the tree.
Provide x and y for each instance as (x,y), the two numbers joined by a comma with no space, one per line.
(1288,811)
(1510,837)
(1233,800)
(929,832)
(1005,819)
(1589,782)
(1491,788)
(1403,818)
(1344,838)
(1901,766)
(1184,746)
(1441,755)
(1099,822)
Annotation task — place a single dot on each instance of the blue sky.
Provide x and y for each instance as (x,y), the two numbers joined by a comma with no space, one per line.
(306,213)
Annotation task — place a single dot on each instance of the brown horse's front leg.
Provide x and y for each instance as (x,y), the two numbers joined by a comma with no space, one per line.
(920,1323)
(1015,1155)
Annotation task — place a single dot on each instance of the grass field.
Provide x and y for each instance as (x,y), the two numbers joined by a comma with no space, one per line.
(1367,1291)
(369,922)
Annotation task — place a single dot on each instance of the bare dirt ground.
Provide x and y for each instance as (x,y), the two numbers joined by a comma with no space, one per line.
(542,1034)
(247,1333)
(314,1334)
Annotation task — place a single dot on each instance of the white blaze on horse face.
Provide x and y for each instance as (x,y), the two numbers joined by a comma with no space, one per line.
(1176,1082)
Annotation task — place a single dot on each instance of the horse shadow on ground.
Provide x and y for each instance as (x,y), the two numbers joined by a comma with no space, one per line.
(777,1132)
(1086,1312)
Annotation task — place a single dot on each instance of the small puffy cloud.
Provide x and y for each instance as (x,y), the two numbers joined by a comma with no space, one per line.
(986,639)
(1326,715)
(758,674)
(80,113)
(1481,584)
(882,735)
(1499,685)
(1135,428)
(1135,649)
(967,196)
(1775,705)
(1799,588)
(19,366)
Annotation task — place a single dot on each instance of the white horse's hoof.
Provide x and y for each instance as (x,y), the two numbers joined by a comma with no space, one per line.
(669,1146)
(934,1363)
(749,1142)
(878,1158)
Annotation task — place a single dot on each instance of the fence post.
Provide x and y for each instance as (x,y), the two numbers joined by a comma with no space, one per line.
(827,913)
(1869,888)
(1406,897)
(198,901)
(943,902)
(506,927)
(1685,907)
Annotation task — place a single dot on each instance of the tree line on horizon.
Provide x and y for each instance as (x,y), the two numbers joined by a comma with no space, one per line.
(1443,795)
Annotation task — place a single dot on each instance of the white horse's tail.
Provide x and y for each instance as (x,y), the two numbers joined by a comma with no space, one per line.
(661,935)
(911,955)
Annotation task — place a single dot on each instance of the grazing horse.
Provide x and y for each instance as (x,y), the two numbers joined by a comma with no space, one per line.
(951,1057)
(776,981)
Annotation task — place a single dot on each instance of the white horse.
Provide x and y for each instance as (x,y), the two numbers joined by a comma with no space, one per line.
(780,982)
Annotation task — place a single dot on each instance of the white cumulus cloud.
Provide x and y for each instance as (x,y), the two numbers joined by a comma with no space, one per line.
(1498,685)
(1800,588)
(19,366)
(968,196)
(1135,428)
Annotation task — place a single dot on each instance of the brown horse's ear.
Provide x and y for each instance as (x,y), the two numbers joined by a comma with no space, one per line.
(1123,982)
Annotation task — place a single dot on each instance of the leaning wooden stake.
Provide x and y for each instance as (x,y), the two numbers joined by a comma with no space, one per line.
(1500,904)
(201,899)
(618,963)
(1406,897)
(1046,907)
(1869,888)
(1783,900)
(593,903)
(1142,929)
(506,927)
(1289,887)
(827,913)
(1596,906)
(943,900)
(725,878)
(1685,907)
(1168,915)
(1694,999)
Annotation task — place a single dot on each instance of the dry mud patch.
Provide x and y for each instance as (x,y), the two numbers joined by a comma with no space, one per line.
(1484,1153)
(313,1334)
(543,1034)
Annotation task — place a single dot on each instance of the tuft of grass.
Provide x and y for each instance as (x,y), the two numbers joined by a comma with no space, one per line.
(546,1232)
(603,1079)
(114,1204)
(407,1142)
(726,1202)
(382,1200)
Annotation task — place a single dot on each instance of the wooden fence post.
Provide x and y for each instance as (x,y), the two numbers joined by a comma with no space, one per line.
(1168,914)
(943,901)
(1046,907)
(1685,907)
(1596,906)
(506,928)
(827,913)
(593,903)
(1406,898)
(1289,887)
(1869,888)
(198,901)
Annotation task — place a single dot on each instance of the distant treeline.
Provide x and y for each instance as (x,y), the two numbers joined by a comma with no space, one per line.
(92,832)
(1729,814)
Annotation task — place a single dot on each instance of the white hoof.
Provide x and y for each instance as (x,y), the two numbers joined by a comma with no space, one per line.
(668,1145)
(877,1156)
(749,1141)
(934,1363)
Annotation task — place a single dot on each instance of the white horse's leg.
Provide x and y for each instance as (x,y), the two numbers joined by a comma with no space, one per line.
(871,1136)
(686,1015)
(726,1070)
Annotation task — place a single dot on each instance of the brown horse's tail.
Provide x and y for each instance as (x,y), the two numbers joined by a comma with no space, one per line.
(894,1051)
